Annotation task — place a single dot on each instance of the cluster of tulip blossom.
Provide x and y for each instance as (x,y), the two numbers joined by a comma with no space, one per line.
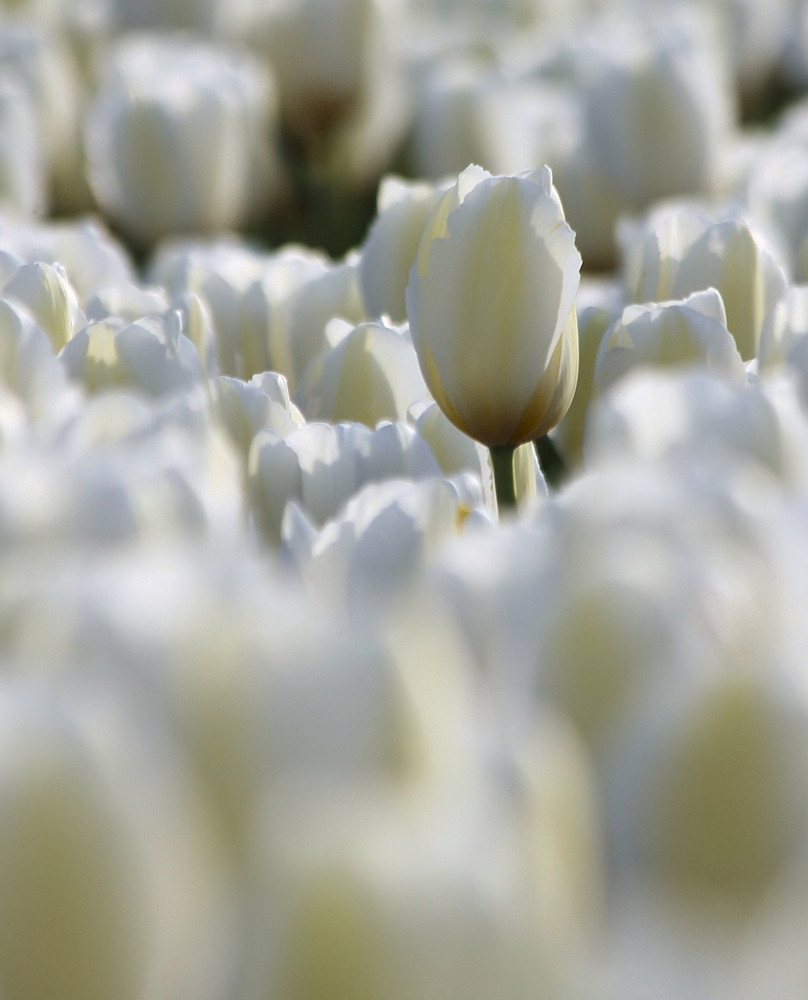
(424,620)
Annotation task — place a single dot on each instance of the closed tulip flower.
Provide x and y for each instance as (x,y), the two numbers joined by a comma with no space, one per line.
(491,306)
(491,303)
(179,138)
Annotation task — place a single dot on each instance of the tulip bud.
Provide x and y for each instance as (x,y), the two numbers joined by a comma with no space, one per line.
(218,274)
(91,257)
(152,356)
(245,408)
(491,306)
(27,365)
(320,53)
(45,293)
(403,210)
(371,374)
(177,138)
(688,333)
(39,62)
(683,251)
(320,466)
(291,301)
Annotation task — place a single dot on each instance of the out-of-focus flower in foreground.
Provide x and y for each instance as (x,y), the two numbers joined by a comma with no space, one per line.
(491,306)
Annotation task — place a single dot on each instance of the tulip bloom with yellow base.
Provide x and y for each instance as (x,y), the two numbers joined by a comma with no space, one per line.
(491,305)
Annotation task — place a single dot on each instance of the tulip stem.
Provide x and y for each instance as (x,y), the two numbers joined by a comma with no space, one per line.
(504,478)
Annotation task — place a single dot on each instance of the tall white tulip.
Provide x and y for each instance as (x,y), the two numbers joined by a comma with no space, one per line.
(491,306)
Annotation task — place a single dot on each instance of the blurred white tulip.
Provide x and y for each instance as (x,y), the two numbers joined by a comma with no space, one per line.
(691,332)
(40,62)
(656,120)
(291,301)
(679,250)
(92,822)
(152,356)
(74,919)
(694,418)
(178,137)
(27,364)
(388,251)
(375,899)
(246,408)
(455,451)
(379,541)
(455,116)
(118,470)
(321,53)
(92,259)
(209,281)
(23,181)
(370,374)
(786,324)
(711,803)
(266,696)
(321,466)
(775,192)
(593,322)
(658,110)
(43,291)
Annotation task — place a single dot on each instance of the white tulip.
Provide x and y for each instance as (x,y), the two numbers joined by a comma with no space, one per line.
(209,282)
(786,325)
(152,355)
(92,821)
(776,189)
(177,138)
(23,182)
(321,53)
(27,364)
(694,418)
(491,306)
(593,322)
(455,451)
(245,408)
(39,61)
(682,250)
(369,375)
(402,210)
(687,333)
(44,292)
(372,899)
(89,255)
(73,920)
(705,786)
(658,109)
(291,302)
(322,465)
(381,539)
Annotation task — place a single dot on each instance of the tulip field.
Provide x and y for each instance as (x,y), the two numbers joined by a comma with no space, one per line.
(403,500)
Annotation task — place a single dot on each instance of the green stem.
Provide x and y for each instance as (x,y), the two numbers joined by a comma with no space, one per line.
(504,478)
